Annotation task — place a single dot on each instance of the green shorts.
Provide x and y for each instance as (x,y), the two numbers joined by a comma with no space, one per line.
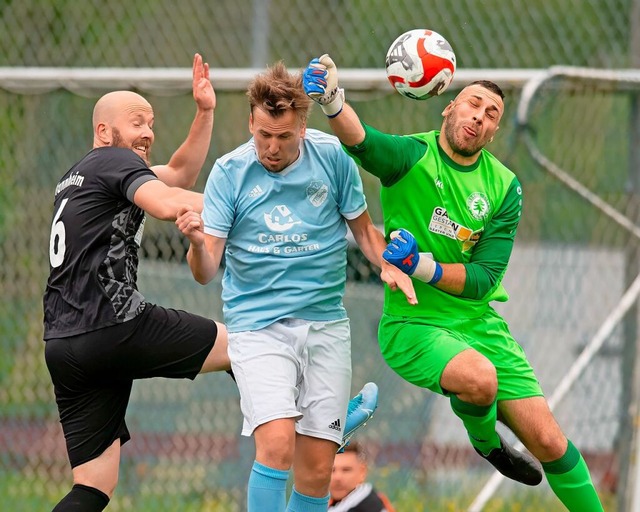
(419,351)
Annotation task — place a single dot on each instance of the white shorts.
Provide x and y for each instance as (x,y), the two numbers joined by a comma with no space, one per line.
(294,369)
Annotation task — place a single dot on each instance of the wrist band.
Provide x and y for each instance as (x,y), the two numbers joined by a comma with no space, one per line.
(334,106)
(437,274)
(334,115)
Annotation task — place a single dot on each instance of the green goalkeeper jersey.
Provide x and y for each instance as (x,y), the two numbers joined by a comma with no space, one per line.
(459,214)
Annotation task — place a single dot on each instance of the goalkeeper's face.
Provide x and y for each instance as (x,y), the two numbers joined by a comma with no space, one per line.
(277,139)
(471,120)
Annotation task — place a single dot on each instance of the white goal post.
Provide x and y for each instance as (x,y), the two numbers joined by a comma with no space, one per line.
(34,80)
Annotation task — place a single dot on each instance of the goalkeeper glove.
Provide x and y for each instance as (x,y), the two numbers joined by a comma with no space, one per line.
(402,252)
(320,82)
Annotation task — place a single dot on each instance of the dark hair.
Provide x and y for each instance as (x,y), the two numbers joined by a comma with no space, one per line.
(276,91)
(487,84)
(358,449)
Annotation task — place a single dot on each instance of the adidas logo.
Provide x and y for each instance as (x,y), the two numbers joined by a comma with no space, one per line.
(336,425)
(255,191)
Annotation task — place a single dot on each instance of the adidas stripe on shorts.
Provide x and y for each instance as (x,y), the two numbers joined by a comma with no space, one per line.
(294,369)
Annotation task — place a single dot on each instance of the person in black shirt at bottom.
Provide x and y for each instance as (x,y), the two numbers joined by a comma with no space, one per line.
(100,333)
(350,492)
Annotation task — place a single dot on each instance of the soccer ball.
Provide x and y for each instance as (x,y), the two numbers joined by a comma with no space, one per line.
(420,64)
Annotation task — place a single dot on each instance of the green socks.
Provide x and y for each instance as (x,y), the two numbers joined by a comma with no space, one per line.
(571,482)
(480,422)
(568,476)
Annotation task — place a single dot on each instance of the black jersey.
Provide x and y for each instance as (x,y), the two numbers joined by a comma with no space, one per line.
(93,248)
(363,498)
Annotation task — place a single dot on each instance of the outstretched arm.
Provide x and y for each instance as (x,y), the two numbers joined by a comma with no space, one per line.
(187,161)
(389,157)
(164,202)
(320,81)
(347,126)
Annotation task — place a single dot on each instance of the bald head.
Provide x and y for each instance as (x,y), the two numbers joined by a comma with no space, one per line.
(113,103)
(123,119)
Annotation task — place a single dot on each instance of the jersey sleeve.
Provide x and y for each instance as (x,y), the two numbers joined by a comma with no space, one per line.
(218,210)
(351,199)
(491,255)
(123,172)
(388,157)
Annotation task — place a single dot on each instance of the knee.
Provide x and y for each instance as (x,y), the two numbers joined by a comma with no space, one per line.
(482,384)
(472,377)
(106,483)
(101,474)
(314,479)
(550,445)
(111,487)
(277,453)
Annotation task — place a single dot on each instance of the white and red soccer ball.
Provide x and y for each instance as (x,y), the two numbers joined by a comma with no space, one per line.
(420,63)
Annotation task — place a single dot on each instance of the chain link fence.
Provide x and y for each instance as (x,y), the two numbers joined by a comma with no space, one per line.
(238,34)
(570,267)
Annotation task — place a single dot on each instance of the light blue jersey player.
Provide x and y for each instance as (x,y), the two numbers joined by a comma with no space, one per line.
(278,208)
(286,232)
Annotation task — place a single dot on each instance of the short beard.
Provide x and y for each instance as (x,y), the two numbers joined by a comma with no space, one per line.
(117,142)
(449,133)
(117,139)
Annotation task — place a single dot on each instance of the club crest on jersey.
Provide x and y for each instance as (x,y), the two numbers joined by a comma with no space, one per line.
(317,193)
(280,219)
(478,205)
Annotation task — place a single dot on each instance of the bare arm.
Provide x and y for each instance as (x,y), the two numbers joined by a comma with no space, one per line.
(205,252)
(163,202)
(187,161)
(372,244)
(204,260)
(453,279)
(347,126)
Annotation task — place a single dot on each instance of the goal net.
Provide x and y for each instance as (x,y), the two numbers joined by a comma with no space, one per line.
(571,135)
(581,127)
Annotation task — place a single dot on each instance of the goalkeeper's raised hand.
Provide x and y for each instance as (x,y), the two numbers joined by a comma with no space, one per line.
(320,82)
(402,252)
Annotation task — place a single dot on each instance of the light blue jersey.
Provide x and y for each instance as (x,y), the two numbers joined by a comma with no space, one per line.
(285,252)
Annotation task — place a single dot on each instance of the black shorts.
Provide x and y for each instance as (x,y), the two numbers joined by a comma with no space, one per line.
(93,373)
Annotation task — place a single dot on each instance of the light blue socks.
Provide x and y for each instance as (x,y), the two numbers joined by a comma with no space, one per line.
(301,503)
(267,490)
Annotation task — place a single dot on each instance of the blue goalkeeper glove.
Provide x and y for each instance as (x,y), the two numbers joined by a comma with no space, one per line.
(320,82)
(402,252)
